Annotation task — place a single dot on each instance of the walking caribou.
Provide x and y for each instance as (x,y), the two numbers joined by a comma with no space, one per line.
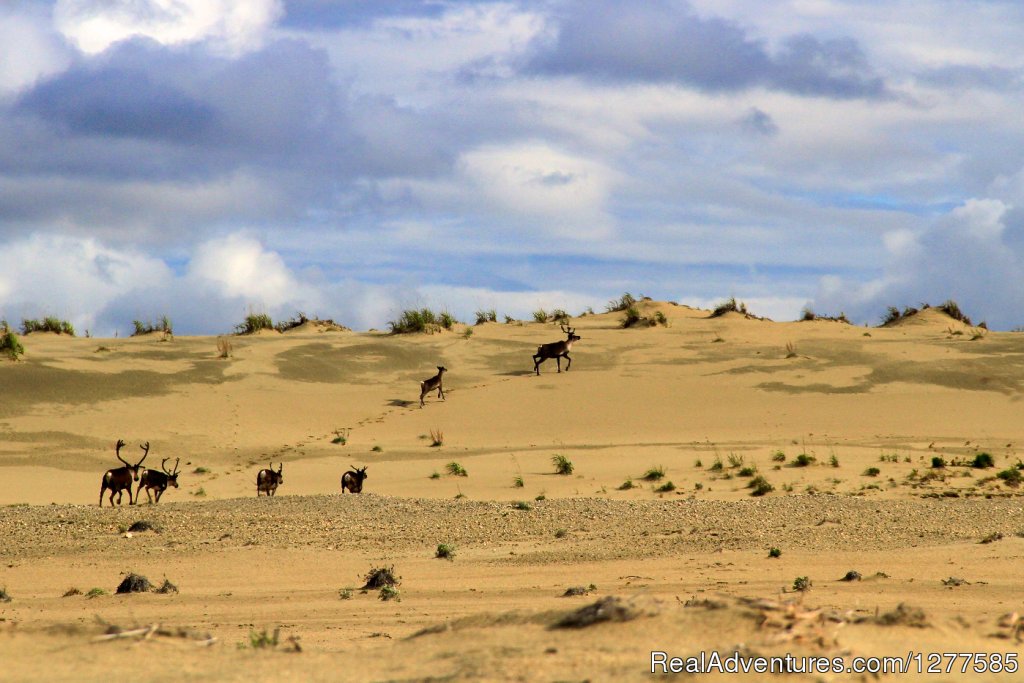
(158,480)
(428,385)
(268,480)
(120,478)
(556,350)
(352,480)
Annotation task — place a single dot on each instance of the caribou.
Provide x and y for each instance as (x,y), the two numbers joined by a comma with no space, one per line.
(158,480)
(268,480)
(556,350)
(120,478)
(428,385)
(352,481)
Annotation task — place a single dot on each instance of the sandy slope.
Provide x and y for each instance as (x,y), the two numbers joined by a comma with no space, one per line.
(712,402)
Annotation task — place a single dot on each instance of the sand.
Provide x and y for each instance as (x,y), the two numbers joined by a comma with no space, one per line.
(845,424)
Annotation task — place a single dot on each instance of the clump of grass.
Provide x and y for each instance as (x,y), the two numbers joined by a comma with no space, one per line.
(71,591)
(632,317)
(1011,477)
(422,320)
(341,436)
(253,323)
(445,551)
(983,460)
(47,324)
(748,471)
(833,461)
(436,438)
(290,324)
(141,328)
(518,482)
(264,640)
(435,475)
(378,577)
(623,303)
(790,350)
(803,460)
(992,537)
(576,591)
(201,470)
(509,319)
(778,456)
(166,587)
(801,584)
(730,305)
(224,347)
(467,333)
(345,593)
(872,472)
(540,316)
(540,497)
(938,462)
(488,316)
(717,466)
(667,487)
(759,486)
(95,593)
(562,464)
(561,533)
(10,345)
(774,553)
(627,485)
(560,316)
(456,470)
(388,593)
(952,309)
(522,505)
(735,460)
(4,595)
(377,449)
(654,473)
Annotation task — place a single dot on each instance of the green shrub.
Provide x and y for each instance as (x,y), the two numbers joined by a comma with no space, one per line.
(10,345)
(982,460)
(759,486)
(48,324)
(621,304)
(774,552)
(627,485)
(560,316)
(667,487)
(488,316)
(654,473)
(1011,477)
(938,462)
(872,472)
(445,551)
(446,320)
(803,460)
(456,470)
(632,317)
(562,464)
(801,584)
(727,306)
(778,456)
(522,505)
(540,316)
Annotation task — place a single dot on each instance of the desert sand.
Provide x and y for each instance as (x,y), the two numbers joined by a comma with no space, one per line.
(845,424)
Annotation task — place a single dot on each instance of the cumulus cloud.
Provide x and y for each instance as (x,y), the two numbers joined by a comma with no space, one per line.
(30,48)
(237,25)
(974,254)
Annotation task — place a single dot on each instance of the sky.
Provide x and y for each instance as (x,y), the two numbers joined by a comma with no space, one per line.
(349,159)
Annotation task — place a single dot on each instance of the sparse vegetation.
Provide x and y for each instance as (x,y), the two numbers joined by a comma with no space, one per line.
(790,350)
(730,305)
(134,583)
(456,470)
(654,473)
(388,593)
(623,303)
(141,328)
(560,316)
(4,595)
(1011,477)
(378,577)
(522,505)
(436,438)
(488,316)
(95,593)
(345,593)
(422,320)
(774,553)
(992,538)
(377,449)
(47,324)
(562,464)
(778,456)
(540,316)
(748,471)
(632,317)
(667,487)
(801,584)
(872,472)
(518,482)
(445,551)
(983,460)
(938,462)
(561,533)
(803,460)
(10,345)
(70,592)
(264,640)
(759,486)
(341,436)
(735,460)
(224,347)
(627,485)
(253,323)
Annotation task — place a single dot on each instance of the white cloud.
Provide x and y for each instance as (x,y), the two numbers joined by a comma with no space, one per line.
(94,25)
(29,49)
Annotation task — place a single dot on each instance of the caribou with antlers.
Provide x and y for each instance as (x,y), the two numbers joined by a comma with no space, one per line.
(268,480)
(153,479)
(352,480)
(556,350)
(120,478)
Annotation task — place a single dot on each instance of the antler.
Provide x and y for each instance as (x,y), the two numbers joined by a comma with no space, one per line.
(145,448)
(281,468)
(117,451)
(163,464)
(176,461)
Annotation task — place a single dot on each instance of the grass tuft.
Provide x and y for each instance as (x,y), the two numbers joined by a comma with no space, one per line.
(654,473)
(456,470)
(562,464)
(445,551)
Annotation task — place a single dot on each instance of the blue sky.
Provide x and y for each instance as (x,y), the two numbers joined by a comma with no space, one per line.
(205,158)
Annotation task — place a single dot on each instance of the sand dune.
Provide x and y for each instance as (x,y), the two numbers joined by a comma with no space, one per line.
(845,424)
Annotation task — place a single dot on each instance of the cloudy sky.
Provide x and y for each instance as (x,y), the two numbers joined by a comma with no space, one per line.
(351,158)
